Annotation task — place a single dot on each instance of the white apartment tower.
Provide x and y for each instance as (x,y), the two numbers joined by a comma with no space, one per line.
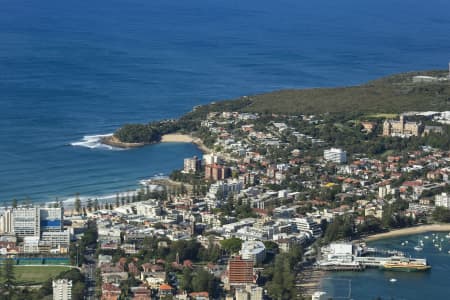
(26,221)
(62,289)
(6,222)
(335,155)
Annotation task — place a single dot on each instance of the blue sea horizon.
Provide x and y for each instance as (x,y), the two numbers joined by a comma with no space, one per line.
(73,70)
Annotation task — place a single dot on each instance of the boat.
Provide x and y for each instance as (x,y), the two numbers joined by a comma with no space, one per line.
(405,265)
(403,244)
(393,280)
(419,246)
(426,237)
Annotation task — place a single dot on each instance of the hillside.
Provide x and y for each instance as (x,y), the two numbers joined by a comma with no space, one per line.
(392,94)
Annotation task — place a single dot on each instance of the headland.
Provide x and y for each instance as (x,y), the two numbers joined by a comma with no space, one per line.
(115,142)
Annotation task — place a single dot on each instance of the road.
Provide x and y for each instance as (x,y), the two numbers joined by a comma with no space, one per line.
(89,273)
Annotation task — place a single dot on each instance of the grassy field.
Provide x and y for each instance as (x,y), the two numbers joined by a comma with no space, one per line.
(32,275)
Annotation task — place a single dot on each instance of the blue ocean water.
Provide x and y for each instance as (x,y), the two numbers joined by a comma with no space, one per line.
(373,283)
(71,69)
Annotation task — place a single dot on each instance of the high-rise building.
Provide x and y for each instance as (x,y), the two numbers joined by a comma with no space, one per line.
(6,222)
(217,172)
(335,155)
(192,165)
(240,271)
(253,250)
(51,219)
(26,221)
(62,289)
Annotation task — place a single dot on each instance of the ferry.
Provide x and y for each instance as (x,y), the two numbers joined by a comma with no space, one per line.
(405,264)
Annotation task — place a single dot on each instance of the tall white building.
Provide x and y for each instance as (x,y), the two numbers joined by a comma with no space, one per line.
(254,250)
(26,221)
(209,159)
(335,155)
(62,289)
(6,222)
(442,200)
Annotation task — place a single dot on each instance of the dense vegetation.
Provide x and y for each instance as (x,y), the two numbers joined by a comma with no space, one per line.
(392,94)
(280,275)
(144,133)
(441,214)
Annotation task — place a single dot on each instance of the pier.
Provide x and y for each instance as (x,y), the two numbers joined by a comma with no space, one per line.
(349,257)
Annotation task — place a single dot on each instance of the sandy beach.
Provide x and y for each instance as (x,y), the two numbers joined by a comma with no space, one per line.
(185,138)
(409,231)
(177,138)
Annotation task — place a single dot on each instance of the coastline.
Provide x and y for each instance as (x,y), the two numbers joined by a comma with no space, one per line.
(408,231)
(114,142)
(167,138)
(185,138)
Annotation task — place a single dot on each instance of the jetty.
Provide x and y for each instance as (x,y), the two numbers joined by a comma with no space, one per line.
(350,257)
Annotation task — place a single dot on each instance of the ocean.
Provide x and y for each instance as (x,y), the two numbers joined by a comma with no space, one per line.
(73,70)
(375,284)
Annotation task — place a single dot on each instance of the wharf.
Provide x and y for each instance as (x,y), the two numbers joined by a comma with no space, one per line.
(336,267)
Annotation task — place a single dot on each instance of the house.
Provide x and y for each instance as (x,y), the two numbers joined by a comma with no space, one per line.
(165,290)
(110,291)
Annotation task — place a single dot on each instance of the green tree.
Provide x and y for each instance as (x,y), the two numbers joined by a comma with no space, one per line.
(231,245)
(441,214)
(9,277)
(186,282)
(282,286)
(14,203)
(203,281)
(89,205)
(77,203)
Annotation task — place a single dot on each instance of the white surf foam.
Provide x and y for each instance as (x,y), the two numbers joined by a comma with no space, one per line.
(94,142)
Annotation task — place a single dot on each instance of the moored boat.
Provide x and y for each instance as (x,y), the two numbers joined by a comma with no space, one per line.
(406,265)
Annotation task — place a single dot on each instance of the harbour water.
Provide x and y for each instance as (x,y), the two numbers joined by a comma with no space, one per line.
(71,70)
(378,284)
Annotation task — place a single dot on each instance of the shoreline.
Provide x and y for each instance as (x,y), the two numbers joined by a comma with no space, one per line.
(114,142)
(166,138)
(408,231)
(185,138)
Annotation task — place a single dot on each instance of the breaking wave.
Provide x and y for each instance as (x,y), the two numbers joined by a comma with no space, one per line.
(94,142)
